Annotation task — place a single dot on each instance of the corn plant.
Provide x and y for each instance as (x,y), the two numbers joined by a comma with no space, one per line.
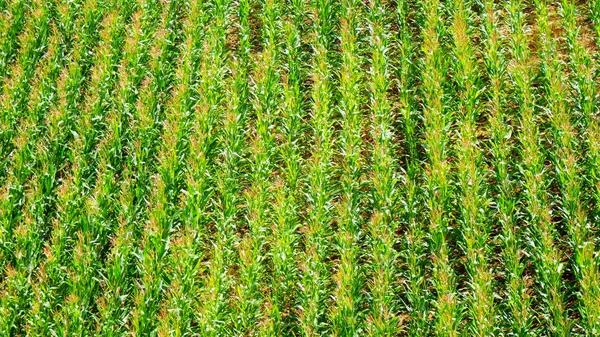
(13,22)
(315,271)
(33,41)
(214,309)
(473,196)
(346,318)
(412,253)
(71,96)
(284,296)
(437,120)
(299,167)
(177,313)
(569,168)
(46,155)
(265,98)
(517,300)
(383,321)
(117,288)
(541,232)
(28,149)
(86,249)
(15,99)
(168,178)
(595,16)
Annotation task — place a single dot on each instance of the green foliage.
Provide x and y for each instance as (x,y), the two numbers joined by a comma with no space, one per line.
(299,168)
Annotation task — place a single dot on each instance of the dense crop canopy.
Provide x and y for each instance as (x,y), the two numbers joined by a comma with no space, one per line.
(299,168)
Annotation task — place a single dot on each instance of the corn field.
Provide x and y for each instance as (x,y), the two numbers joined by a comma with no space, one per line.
(300,168)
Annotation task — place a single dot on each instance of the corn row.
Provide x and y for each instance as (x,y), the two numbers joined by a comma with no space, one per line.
(346,318)
(317,229)
(17,89)
(471,188)
(164,197)
(28,152)
(177,312)
(413,246)
(79,258)
(71,93)
(265,98)
(516,301)
(12,24)
(541,232)
(284,295)
(214,311)
(437,121)
(552,257)
(383,311)
(13,144)
(133,123)
(595,16)
(83,269)
(569,168)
